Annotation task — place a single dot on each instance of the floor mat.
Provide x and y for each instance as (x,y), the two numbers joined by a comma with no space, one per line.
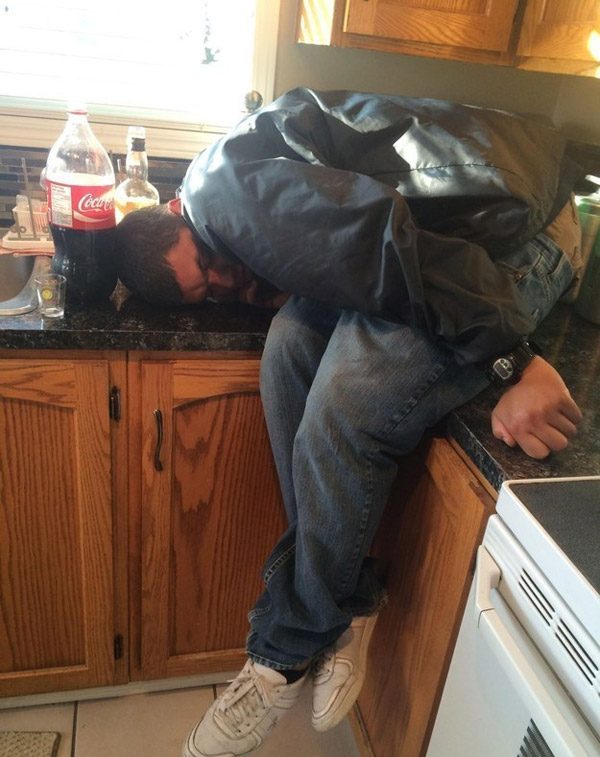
(28,744)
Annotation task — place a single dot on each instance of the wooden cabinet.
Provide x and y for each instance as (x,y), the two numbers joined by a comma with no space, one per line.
(561,35)
(208,508)
(426,548)
(133,531)
(476,24)
(57,585)
(130,549)
(545,35)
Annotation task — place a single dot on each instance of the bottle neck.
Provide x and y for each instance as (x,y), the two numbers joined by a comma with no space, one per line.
(136,165)
(78,126)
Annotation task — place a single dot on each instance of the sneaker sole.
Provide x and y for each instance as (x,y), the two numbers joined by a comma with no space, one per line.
(334,717)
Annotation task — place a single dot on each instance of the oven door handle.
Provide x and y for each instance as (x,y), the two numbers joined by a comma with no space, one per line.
(550,708)
(487,577)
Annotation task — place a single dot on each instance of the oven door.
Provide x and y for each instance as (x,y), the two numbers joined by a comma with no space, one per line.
(501,699)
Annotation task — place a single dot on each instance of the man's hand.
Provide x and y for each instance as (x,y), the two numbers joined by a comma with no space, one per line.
(538,413)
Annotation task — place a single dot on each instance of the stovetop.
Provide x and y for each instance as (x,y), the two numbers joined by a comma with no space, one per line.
(557,522)
(569,511)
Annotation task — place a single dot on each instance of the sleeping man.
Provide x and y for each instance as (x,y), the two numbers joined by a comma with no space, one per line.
(410,246)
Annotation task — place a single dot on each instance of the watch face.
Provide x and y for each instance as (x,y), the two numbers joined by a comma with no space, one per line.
(503,368)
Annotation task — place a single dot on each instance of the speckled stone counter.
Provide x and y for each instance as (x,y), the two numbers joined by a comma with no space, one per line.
(571,344)
(134,325)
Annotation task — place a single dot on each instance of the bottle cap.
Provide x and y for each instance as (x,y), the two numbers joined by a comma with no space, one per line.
(136,132)
(134,135)
(77,107)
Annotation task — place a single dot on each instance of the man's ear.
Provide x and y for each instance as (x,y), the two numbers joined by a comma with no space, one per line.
(175,206)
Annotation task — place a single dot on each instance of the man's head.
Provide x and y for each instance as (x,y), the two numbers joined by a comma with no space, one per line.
(161,260)
(158,257)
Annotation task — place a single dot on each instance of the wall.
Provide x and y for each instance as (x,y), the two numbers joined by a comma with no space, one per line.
(578,109)
(572,102)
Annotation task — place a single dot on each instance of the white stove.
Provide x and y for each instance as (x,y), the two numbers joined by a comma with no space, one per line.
(525,675)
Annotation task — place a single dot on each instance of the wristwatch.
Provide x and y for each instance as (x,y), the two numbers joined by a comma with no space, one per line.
(508,369)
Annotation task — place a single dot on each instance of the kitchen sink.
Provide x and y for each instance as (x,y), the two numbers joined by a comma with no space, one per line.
(17,286)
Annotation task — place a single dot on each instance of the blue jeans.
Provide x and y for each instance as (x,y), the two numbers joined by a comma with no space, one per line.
(344,395)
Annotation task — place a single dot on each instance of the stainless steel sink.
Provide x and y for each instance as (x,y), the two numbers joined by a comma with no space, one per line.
(17,287)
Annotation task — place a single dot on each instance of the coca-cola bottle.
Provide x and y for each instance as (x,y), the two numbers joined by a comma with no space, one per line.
(80,184)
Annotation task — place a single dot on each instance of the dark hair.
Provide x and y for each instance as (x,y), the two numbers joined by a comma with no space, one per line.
(143,239)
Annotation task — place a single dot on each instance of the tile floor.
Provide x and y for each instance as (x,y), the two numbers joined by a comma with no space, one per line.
(155,724)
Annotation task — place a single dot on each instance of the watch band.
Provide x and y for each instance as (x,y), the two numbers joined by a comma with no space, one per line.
(507,369)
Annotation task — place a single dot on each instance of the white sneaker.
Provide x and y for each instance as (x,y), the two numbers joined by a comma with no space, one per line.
(339,674)
(240,719)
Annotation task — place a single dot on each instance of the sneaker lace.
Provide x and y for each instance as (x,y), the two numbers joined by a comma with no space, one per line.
(244,700)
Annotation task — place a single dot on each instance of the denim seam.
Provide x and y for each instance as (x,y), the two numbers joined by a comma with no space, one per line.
(359,543)
(550,252)
(551,273)
(283,557)
(422,390)
(550,257)
(258,612)
(267,662)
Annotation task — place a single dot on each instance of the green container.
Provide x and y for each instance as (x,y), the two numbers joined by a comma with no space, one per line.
(588,300)
(588,210)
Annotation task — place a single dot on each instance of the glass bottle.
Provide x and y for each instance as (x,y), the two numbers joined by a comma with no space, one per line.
(135,191)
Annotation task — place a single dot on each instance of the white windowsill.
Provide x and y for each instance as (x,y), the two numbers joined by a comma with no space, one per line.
(22,127)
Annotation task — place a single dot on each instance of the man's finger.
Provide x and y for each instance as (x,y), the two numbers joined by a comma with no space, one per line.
(571,411)
(534,447)
(564,425)
(501,432)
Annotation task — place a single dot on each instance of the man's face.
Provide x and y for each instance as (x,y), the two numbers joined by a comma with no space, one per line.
(197,281)
(190,267)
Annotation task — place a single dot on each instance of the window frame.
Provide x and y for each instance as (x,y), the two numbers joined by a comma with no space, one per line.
(38,123)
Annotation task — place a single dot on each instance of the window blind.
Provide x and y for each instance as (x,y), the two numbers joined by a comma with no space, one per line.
(184,65)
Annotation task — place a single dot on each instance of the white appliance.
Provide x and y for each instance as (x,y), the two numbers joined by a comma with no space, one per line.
(524,680)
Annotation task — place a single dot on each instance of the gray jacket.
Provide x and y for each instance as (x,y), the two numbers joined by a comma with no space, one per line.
(393,206)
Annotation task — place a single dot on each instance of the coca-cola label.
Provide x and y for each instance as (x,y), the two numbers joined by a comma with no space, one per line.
(81,207)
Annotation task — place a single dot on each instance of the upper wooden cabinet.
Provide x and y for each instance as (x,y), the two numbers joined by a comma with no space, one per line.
(546,35)
(478,24)
(561,32)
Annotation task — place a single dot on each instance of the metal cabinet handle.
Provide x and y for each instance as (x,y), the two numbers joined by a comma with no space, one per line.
(159,439)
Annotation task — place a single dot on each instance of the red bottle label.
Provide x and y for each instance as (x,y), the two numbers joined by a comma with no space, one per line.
(81,207)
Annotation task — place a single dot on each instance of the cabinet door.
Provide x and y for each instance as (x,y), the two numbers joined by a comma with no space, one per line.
(477,24)
(56,574)
(561,30)
(210,512)
(426,547)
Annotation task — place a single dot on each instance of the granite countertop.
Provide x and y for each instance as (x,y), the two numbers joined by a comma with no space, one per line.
(570,343)
(129,324)
(572,346)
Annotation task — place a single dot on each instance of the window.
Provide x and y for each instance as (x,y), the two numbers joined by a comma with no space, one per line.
(180,69)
